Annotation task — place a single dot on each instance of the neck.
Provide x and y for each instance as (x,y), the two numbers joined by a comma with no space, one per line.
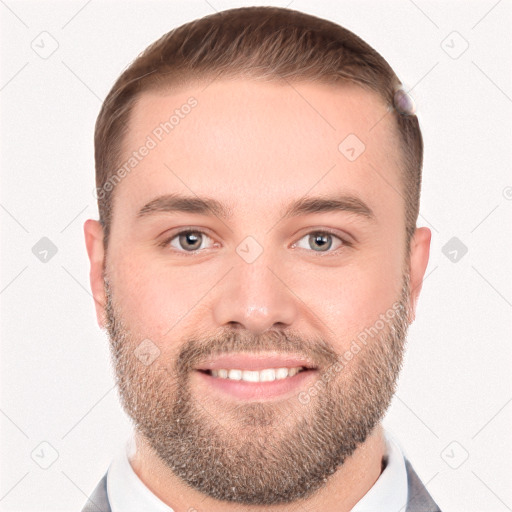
(342,491)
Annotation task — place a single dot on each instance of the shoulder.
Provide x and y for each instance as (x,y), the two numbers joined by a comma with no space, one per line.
(98,499)
(418,498)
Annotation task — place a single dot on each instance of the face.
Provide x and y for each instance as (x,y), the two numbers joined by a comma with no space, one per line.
(257,345)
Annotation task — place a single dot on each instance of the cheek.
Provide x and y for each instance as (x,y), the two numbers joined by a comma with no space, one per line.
(159,301)
(156,300)
(351,298)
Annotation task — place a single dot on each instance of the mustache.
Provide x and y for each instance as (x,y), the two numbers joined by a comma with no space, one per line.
(198,350)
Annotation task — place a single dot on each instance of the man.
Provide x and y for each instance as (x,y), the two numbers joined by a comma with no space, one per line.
(256,265)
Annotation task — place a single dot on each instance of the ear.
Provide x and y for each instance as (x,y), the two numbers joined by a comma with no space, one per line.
(420,250)
(93,232)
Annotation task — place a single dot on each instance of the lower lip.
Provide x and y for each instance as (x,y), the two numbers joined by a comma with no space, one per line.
(257,390)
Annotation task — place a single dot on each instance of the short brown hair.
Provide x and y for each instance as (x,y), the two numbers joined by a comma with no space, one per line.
(257,42)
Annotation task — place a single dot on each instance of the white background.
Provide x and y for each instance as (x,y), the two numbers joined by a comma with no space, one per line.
(56,381)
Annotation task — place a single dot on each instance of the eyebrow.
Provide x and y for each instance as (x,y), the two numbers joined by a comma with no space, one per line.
(172,203)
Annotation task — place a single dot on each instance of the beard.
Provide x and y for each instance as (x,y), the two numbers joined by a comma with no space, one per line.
(258,453)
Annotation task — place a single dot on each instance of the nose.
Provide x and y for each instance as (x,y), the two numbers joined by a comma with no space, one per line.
(255,296)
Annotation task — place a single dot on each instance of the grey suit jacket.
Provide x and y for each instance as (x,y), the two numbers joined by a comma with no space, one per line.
(419,500)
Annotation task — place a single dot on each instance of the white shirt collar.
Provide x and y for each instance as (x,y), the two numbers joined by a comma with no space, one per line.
(127,492)
(389,492)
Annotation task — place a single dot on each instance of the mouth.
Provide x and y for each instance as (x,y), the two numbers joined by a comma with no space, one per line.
(255,376)
(265,375)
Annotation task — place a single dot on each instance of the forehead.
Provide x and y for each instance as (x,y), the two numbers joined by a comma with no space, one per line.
(242,140)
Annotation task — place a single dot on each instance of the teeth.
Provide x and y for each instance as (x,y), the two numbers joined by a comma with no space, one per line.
(281,373)
(267,375)
(251,376)
(232,374)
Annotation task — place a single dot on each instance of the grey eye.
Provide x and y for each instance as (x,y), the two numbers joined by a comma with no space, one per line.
(319,241)
(189,241)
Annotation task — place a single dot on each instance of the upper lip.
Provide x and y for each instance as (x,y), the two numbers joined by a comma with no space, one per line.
(247,361)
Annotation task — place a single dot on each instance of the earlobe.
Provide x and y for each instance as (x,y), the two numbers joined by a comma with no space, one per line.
(419,255)
(93,233)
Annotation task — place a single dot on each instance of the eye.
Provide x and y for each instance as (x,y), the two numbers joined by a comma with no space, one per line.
(322,241)
(192,241)
(188,240)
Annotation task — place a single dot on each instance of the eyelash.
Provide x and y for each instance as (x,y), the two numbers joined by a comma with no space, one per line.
(345,243)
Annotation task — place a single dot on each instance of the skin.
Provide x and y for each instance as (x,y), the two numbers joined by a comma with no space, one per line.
(280,149)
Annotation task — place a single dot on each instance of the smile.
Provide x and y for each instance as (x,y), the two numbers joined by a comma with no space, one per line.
(265,375)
